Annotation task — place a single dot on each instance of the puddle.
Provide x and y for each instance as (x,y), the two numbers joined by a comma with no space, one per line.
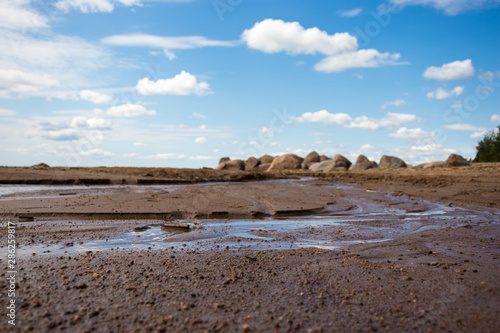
(325,232)
(368,217)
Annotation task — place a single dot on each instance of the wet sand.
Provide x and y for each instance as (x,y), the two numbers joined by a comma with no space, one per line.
(436,280)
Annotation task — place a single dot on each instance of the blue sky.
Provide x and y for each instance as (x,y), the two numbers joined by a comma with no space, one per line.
(183,83)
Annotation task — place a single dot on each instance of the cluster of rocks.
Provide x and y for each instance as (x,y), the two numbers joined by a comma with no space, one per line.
(315,162)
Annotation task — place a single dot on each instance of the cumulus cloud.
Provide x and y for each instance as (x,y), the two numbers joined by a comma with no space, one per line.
(91,123)
(359,59)
(456,70)
(388,121)
(167,44)
(398,102)
(96,153)
(440,93)
(341,49)
(65,134)
(19,84)
(35,64)
(323,117)
(94,6)
(17,15)
(168,156)
(495,118)
(95,97)
(343,119)
(202,157)
(416,134)
(464,127)
(182,84)
(273,36)
(129,110)
(350,13)
(367,147)
(201,139)
(449,7)
(7,112)
(72,130)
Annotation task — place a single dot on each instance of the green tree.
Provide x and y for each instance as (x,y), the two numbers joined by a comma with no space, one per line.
(488,149)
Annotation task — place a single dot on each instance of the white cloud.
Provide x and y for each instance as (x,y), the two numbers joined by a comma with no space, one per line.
(129,110)
(199,115)
(350,13)
(92,123)
(440,93)
(495,118)
(464,127)
(64,129)
(202,158)
(17,15)
(96,153)
(367,147)
(94,6)
(450,7)
(167,44)
(33,64)
(457,70)
(18,84)
(168,156)
(268,132)
(7,112)
(182,84)
(95,97)
(130,155)
(139,144)
(323,117)
(358,59)
(201,139)
(389,120)
(479,134)
(343,119)
(416,134)
(398,102)
(273,36)
(65,134)
(341,49)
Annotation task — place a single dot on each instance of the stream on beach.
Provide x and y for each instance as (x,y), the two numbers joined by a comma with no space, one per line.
(365,220)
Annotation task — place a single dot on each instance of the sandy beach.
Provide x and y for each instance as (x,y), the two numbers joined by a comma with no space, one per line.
(378,250)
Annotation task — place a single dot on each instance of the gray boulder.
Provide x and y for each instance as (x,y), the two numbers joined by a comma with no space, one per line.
(252,163)
(455,160)
(391,162)
(337,163)
(264,166)
(286,162)
(312,157)
(323,158)
(234,165)
(266,159)
(362,163)
(224,159)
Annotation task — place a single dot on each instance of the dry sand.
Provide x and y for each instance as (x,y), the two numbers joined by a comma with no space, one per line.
(436,280)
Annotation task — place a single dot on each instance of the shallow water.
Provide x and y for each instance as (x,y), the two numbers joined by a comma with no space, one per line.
(326,232)
(368,217)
